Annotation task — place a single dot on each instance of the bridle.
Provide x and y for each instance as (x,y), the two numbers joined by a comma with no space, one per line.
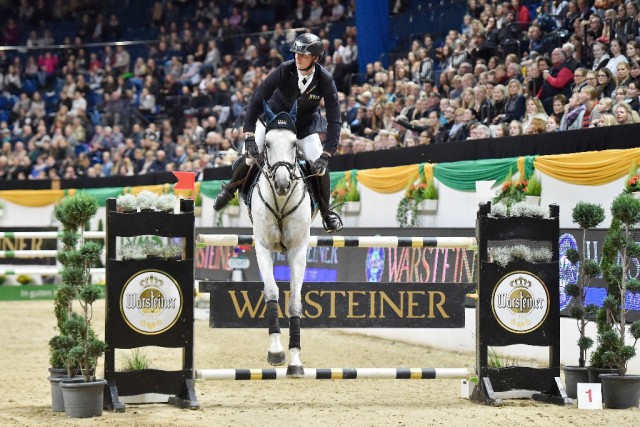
(269,171)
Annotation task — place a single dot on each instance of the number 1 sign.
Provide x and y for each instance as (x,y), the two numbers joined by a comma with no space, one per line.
(589,396)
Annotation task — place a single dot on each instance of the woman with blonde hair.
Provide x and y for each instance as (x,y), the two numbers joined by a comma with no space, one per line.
(624,114)
(468,98)
(533,108)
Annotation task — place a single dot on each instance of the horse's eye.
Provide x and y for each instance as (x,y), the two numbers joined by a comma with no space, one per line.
(267,145)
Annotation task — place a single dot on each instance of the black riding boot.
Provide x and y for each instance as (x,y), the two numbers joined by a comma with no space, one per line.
(226,194)
(331,220)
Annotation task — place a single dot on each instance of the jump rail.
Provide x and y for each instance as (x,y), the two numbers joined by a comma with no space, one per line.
(44,271)
(29,254)
(335,374)
(349,241)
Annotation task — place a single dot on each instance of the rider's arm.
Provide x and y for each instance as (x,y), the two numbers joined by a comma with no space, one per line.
(332,108)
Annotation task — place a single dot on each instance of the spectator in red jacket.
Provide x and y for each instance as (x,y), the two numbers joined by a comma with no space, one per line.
(557,80)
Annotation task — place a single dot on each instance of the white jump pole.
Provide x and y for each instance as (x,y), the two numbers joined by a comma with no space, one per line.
(43,271)
(335,374)
(29,254)
(47,234)
(349,241)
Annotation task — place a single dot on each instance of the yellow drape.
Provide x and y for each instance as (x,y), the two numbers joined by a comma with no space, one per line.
(589,168)
(388,180)
(32,198)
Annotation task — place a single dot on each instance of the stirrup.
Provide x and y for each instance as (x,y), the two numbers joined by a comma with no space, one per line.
(328,219)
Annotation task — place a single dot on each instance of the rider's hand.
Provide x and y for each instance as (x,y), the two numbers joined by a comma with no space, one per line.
(320,165)
(250,147)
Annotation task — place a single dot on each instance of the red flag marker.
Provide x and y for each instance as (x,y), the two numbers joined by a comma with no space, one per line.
(186,180)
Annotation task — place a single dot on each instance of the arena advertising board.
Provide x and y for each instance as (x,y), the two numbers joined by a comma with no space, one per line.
(398,265)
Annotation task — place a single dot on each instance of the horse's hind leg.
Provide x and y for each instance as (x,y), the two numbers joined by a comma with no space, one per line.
(275,355)
(297,264)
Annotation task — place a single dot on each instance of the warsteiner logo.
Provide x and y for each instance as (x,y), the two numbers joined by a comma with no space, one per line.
(520,302)
(151,302)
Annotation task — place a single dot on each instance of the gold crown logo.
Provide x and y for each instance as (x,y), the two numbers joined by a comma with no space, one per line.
(520,283)
(151,282)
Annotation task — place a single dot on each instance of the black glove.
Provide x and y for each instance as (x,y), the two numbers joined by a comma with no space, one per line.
(250,147)
(320,165)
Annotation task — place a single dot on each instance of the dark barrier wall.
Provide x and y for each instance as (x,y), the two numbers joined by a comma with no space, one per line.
(399,265)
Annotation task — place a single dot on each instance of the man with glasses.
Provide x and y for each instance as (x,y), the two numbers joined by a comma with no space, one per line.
(448,115)
(557,80)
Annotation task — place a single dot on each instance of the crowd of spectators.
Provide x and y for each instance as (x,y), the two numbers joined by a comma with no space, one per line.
(509,69)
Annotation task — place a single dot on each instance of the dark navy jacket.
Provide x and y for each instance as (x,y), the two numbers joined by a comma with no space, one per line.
(280,89)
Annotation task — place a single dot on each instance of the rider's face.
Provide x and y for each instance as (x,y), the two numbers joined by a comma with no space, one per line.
(303,60)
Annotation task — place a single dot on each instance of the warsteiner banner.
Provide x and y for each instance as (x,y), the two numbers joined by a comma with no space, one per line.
(342,305)
(400,265)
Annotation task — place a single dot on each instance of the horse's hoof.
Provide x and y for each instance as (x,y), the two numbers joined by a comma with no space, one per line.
(295,371)
(276,359)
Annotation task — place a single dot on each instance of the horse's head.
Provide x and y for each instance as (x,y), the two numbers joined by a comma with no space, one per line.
(280,148)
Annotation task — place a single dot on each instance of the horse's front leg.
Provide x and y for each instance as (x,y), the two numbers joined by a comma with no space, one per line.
(275,355)
(297,265)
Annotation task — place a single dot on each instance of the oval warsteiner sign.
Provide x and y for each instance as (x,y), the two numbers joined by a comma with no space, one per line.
(151,302)
(520,302)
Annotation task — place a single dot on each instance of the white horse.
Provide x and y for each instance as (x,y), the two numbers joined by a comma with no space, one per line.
(281,215)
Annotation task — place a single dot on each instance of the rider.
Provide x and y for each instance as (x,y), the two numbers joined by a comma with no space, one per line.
(307,82)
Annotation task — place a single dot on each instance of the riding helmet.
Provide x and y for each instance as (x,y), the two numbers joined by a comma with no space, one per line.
(308,44)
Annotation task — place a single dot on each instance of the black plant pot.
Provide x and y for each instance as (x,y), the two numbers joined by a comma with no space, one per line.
(620,392)
(572,376)
(594,373)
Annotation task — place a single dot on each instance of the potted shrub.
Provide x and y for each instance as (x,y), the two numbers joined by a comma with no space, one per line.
(620,390)
(587,216)
(77,343)
(127,203)
(419,197)
(533,190)
(166,203)
(346,196)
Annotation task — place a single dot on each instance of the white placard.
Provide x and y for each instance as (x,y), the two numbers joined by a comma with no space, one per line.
(589,396)
(464,389)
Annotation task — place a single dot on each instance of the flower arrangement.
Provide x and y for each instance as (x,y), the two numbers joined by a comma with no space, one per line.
(166,202)
(147,200)
(345,191)
(511,192)
(633,180)
(127,202)
(416,192)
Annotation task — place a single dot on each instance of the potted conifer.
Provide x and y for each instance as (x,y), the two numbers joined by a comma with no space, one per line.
(78,344)
(616,339)
(587,216)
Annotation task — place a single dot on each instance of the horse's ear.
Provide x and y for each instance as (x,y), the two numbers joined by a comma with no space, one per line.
(294,111)
(268,113)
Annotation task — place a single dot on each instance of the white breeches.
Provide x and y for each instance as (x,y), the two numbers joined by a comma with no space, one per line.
(310,146)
